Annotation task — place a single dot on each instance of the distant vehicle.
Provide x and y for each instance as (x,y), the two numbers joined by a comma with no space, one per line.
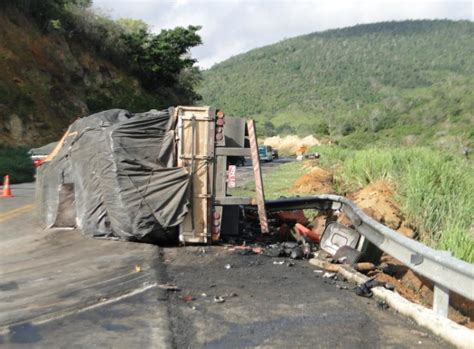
(313,156)
(265,153)
(275,154)
(38,155)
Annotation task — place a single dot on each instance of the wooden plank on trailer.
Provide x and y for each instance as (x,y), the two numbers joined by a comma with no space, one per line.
(262,214)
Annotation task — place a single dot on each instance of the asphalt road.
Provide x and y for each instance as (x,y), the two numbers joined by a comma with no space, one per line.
(61,289)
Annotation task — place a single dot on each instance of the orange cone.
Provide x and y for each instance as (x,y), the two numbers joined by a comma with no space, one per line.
(7,192)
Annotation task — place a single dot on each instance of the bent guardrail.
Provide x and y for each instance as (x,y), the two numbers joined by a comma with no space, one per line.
(446,272)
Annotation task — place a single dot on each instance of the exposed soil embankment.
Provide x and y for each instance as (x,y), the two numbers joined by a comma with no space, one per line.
(378,201)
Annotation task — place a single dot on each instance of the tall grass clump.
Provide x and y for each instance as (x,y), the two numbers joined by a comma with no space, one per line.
(435,190)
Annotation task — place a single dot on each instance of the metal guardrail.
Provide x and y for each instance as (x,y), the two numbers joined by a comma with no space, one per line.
(446,272)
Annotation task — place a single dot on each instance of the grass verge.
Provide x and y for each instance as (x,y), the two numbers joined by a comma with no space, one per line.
(275,183)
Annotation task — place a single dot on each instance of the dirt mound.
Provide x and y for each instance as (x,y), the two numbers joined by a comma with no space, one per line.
(288,145)
(316,181)
(377,201)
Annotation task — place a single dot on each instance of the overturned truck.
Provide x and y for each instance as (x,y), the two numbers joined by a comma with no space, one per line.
(162,175)
(150,177)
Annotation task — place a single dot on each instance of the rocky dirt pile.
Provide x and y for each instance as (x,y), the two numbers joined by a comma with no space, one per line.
(378,201)
(288,145)
(315,181)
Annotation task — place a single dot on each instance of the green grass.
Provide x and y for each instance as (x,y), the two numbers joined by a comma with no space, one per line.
(16,162)
(275,183)
(434,189)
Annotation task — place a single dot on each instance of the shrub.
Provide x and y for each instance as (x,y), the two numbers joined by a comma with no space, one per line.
(15,162)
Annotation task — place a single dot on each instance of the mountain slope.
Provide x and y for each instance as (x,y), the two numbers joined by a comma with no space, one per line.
(409,81)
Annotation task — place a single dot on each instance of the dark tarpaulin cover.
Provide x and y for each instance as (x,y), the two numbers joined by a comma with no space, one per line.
(121,170)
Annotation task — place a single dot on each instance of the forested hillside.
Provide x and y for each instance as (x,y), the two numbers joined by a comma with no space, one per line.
(61,60)
(393,82)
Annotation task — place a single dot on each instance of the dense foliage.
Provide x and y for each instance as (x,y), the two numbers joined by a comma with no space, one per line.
(16,162)
(160,61)
(387,81)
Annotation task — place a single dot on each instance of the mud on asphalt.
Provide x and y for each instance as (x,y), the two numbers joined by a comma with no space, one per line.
(229,300)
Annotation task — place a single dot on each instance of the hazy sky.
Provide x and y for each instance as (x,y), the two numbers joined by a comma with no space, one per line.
(233,27)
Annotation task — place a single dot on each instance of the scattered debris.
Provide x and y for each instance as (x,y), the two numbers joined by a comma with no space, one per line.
(294,250)
(228,266)
(169,287)
(364,267)
(292,217)
(278,262)
(347,254)
(336,236)
(389,269)
(296,253)
(364,289)
(308,233)
(138,268)
(382,305)
(419,333)
(247,250)
(219,299)
(341,287)
(187,298)
(329,275)
(332,268)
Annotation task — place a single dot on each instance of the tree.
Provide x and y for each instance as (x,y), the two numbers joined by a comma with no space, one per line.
(158,59)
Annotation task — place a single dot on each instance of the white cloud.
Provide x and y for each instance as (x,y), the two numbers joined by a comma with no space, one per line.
(233,27)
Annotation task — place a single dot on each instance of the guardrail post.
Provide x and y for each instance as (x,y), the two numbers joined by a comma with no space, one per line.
(441,300)
(441,296)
